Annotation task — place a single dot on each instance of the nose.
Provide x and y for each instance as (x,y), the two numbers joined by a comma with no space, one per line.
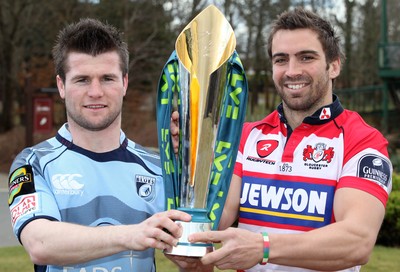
(95,89)
(293,68)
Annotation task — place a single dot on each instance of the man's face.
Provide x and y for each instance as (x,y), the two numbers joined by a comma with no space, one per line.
(93,91)
(301,74)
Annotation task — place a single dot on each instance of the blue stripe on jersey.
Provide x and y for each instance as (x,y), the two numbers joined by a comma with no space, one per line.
(118,154)
(299,204)
(109,209)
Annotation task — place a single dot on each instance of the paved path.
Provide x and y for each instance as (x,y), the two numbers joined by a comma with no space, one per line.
(7,237)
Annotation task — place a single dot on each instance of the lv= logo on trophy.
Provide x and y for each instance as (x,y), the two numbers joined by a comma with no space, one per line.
(205,82)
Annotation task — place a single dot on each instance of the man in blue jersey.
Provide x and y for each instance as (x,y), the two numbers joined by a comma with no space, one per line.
(89,199)
(312,179)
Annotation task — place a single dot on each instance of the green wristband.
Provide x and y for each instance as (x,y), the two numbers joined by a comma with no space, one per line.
(266,248)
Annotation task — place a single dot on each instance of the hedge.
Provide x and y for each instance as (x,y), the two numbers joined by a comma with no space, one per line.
(389,234)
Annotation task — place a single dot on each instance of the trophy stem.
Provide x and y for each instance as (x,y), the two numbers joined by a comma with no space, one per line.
(200,222)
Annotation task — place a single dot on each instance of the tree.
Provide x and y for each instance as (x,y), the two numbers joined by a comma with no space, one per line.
(28,29)
(366,62)
(13,14)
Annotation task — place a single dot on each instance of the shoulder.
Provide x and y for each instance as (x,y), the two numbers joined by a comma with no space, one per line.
(354,126)
(270,121)
(148,154)
(361,138)
(34,154)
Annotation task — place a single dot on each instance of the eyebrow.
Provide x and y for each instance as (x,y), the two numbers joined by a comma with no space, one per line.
(281,54)
(80,76)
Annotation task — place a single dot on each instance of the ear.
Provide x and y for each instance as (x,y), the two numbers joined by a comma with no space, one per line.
(334,68)
(61,87)
(125,82)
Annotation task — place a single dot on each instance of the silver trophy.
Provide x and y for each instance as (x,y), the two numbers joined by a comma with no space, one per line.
(201,80)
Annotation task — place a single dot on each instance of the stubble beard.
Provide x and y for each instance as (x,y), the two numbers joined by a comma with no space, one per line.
(312,101)
(87,124)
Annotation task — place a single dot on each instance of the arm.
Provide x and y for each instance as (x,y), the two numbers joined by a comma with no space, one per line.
(231,207)
(60,243)
(347,242)
(343,244)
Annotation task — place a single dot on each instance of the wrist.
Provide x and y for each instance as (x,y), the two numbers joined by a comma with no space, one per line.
(264,260)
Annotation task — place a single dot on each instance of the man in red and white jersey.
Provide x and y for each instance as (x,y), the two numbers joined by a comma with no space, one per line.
(311,179)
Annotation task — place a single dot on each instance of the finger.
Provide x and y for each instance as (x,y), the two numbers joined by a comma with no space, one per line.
(167,238)
(215,257)
(167,221)
(178,215)
(206,237)
(158,244)
(174,123)
(185,262)
(175,116)
(174,130)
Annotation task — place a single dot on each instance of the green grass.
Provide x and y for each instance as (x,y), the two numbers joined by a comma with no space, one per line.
(15,259)
(383,259)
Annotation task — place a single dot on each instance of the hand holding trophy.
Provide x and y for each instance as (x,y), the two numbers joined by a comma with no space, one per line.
(204,80)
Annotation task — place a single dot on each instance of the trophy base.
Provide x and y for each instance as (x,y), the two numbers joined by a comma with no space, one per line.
(184,247)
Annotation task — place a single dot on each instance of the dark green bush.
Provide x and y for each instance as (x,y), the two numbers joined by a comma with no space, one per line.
(396,182)
(389,235)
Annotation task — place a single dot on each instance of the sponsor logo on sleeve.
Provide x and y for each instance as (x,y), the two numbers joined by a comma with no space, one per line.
(374,168)
(27,204)
(20,183)
(145,187)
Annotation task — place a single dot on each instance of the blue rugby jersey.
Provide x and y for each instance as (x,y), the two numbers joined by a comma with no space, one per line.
(60,181)
(289,178)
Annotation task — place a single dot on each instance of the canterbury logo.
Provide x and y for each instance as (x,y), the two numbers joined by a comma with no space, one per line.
(66,182)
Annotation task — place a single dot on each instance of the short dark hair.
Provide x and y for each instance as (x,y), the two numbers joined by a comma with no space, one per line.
(300,18)
(92,37)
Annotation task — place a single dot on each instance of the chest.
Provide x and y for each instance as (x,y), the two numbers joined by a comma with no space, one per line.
(88,192)
(309,151)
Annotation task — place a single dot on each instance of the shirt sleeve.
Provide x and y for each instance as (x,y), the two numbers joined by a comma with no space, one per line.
(29,198)
(369,171)
(366,164)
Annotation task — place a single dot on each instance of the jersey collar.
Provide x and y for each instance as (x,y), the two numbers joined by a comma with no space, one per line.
(65,137)
(321,116)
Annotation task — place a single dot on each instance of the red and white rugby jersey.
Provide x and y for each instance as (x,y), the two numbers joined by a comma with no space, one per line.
(288,183)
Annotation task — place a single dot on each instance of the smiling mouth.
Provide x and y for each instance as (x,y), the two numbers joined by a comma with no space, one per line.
(295,86)
(95,106)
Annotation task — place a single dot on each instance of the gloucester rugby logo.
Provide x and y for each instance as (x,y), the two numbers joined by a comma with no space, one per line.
(319,153)
(266,147)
